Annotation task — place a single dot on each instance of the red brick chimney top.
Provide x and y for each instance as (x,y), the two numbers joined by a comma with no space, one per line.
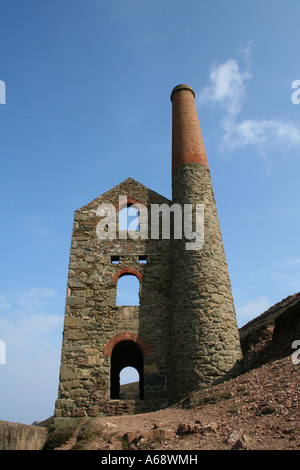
(187,140)
(182,87)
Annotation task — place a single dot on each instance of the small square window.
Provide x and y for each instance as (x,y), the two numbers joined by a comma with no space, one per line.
(143,259)
(115,259)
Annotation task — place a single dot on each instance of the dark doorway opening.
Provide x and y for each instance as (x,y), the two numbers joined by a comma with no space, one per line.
(125,354)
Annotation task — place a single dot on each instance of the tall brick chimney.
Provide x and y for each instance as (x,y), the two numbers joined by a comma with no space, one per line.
(187,141)
(204,332)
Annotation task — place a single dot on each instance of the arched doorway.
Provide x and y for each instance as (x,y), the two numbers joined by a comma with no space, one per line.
(125,353)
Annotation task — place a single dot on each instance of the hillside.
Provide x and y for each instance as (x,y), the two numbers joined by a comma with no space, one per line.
(258,410)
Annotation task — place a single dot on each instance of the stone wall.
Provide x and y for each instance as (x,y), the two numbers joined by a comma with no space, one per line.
(94,324)
(15,436)
(206,345)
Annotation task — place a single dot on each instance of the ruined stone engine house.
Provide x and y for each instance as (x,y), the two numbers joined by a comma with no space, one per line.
(183,335)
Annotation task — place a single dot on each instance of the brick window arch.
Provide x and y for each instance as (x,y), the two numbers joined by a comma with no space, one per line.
(127,336)
(129,211)
(127,203)
(124,271)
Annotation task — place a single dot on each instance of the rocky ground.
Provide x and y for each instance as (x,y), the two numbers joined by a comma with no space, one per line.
(256,411)
(259,410)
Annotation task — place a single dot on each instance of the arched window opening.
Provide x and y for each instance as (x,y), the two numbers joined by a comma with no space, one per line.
(129,218)
(126,354)
(128,290)
(129,384)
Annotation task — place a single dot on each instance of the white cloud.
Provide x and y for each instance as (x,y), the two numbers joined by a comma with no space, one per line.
(260,133)
(227,88)
(227,91)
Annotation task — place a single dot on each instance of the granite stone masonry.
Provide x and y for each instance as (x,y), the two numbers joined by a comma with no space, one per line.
(183,334)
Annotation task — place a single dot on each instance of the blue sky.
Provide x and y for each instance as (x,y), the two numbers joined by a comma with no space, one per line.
(88,86)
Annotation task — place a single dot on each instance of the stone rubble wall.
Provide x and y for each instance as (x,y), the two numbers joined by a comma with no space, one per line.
(16,436)
(206,344)
(93,321)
